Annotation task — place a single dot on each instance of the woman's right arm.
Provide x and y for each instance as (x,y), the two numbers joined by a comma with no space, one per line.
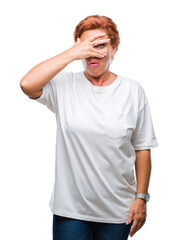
(33,82)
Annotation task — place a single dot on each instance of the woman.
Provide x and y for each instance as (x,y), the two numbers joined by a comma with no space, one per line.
(104,130)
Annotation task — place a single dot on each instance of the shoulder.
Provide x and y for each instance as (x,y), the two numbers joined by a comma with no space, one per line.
(131,83)
(62,78)
(135,90)
(61,75)
(67,75)
(65,80)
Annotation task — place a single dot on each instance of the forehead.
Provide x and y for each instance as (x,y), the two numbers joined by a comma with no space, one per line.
(89,33)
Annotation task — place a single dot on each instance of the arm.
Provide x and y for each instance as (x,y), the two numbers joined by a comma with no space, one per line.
(34,81)
(143,171)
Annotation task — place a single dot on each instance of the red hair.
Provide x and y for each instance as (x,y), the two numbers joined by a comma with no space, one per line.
(99,22)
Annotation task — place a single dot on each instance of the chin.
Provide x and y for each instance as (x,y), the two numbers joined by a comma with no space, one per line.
(94,72)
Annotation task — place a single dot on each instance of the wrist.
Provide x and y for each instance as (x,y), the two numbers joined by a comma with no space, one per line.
(145,196)
(67,56)
(71,55)
(140,200)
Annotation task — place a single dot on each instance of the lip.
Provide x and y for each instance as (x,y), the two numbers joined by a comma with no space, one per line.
(93,64)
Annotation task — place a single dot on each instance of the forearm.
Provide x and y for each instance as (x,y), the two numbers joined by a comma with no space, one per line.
(34,81)
(138,208)
(42,73)
(143,170)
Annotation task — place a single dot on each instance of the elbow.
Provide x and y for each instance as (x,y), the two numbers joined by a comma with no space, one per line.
(24,86)
(27,89)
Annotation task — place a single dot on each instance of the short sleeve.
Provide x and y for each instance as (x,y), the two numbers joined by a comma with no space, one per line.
(142,98)
(144,135)
(50,91)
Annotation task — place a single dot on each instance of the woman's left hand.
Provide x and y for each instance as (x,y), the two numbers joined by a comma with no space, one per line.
(138,214)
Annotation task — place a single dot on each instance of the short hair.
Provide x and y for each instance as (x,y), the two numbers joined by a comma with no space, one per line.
(99,22)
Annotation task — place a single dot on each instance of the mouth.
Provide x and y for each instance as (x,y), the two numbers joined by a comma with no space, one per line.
(93,64)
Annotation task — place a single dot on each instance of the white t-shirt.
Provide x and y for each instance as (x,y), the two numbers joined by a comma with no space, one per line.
(98,130)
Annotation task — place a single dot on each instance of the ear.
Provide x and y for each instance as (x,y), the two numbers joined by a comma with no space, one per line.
(114,51)
(78,40)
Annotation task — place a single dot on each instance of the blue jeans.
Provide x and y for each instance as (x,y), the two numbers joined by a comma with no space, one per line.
(65,228)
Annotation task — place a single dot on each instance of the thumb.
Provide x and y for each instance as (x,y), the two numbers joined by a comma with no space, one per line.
(130,217)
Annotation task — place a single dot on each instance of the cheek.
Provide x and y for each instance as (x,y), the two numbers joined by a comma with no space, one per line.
(104,50)
(107,59)
(108,51)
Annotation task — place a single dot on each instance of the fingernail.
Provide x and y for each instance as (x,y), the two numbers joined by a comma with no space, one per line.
(108,39)
(127,222)
(103,33)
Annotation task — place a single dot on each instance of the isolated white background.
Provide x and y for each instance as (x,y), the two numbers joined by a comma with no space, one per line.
(33,31)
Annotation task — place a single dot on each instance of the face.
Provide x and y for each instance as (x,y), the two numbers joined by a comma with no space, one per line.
(103,64)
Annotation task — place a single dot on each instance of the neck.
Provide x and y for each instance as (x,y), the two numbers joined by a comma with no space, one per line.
(101,80)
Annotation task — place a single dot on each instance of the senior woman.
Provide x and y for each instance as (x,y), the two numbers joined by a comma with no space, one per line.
(104,131)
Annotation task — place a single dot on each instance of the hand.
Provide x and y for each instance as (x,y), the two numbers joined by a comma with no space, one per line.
(85,48)
(138,214)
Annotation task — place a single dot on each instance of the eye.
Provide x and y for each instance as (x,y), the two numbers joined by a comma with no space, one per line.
(100,46)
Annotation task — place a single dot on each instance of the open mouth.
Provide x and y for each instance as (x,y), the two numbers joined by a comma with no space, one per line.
(93,64)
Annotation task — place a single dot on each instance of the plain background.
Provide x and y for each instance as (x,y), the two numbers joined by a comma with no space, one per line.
(33,31)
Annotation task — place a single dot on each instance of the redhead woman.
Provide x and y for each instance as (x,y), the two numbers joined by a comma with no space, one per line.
(104,133)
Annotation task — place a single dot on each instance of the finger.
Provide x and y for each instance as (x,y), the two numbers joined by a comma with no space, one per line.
(130,217)
(98,55)
(91,39)
(141,223)
(134,228)
(97,42)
